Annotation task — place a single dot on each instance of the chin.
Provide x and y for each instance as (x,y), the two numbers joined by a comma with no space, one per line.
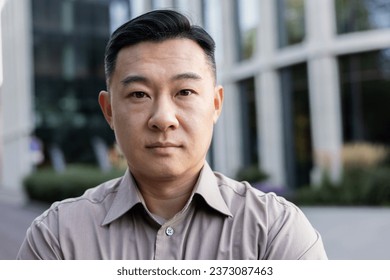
(167,172)
(165,168)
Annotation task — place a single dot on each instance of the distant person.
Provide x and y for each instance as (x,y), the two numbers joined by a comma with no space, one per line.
(162,102)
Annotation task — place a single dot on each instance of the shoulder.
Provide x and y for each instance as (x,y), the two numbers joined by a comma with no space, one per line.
(74,215)
(242,194)
(283,229)
(97,197)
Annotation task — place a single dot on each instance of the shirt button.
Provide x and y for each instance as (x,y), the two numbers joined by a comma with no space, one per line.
(169,231)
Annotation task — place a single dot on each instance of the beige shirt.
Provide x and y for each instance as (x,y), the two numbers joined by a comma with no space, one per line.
(224,219)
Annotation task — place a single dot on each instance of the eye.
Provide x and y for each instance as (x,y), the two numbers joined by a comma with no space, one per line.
(138,94)
(185,92)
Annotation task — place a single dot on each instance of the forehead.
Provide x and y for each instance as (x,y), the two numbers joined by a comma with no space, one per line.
(173,54)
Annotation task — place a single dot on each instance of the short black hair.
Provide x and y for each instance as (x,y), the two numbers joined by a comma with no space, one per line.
(157,26)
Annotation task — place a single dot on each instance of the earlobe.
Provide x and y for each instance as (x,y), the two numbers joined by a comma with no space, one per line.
(218,102)
(105,106)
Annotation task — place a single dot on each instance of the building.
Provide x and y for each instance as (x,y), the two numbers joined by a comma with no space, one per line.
(16,97)
(53,53)
(301,78)
(69,39)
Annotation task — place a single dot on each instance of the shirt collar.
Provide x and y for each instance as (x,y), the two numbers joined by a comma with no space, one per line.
(125,198)
(127,195)
(207,187)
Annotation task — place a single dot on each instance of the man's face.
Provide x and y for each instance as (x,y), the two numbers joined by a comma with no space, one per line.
(162,105)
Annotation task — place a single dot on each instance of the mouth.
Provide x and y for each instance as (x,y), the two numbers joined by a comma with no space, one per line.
(163,145)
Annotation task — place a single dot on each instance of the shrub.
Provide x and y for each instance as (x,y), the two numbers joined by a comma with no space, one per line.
(258,179)
(251,174)
(365,179)
(363,155)
(48,186)
(358,186)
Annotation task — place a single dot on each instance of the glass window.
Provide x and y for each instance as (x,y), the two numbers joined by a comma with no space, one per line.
(249,122)
(137,7)
(82,16)
(213,24)
(248,12)
(119,13)
(68,72)
(68,62)
(92,18)
(47,58)
(291,23)
(67,16)
(297,124)
(360,15)
(46,14)
(365,96)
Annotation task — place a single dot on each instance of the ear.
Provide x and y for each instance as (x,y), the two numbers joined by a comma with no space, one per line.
(105,105)
(218,102)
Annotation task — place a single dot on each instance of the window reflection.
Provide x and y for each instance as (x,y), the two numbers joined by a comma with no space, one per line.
(248,12)
(297,124)
(249,121)
(291,15)
(119,13)
(68,47)
(49,14)
(361,15)
(365,95)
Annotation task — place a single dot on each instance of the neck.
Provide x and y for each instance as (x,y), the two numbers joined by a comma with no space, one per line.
(165,198)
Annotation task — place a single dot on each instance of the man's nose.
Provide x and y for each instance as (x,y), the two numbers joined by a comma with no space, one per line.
(163,116)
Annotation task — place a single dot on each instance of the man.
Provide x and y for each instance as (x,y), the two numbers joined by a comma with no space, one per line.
(162,102)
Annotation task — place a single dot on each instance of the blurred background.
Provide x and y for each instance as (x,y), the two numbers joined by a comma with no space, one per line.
(306,112)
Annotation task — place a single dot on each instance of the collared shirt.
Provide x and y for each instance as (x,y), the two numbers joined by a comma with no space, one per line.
(223,219)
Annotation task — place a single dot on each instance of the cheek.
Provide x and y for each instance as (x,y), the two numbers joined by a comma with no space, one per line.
(127,128)
(126,117)
(200,125)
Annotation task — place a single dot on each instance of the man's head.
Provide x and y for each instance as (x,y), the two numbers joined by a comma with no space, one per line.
(156,26)
(162,100)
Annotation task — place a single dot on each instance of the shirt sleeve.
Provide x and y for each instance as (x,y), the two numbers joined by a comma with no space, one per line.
(40,243)
(292,237)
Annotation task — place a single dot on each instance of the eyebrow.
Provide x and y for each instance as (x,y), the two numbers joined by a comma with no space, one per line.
(187,76)
(142,79)
(134,79)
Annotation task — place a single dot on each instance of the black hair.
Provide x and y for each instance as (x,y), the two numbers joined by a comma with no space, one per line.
(157,26)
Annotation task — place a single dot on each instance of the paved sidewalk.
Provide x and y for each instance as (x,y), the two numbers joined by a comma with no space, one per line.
(348,232)
(14,221)
(353,233)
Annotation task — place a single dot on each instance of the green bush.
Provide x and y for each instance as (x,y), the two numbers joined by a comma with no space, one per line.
(358,186)
(251,174)
(48,186)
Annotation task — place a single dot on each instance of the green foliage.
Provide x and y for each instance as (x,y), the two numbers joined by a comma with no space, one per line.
(358,186)
(251,174)
(249,43)
(48,186)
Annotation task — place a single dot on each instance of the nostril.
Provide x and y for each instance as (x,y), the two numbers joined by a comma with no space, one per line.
(163,123)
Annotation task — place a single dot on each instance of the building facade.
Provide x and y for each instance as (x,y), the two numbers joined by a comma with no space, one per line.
(69,39)
(301,78)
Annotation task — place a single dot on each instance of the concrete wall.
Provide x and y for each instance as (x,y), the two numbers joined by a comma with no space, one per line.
(16,118)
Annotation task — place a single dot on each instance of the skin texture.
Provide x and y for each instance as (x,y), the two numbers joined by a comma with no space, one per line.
(162,105)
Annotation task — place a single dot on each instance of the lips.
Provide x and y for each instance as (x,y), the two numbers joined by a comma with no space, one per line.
(162,145)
